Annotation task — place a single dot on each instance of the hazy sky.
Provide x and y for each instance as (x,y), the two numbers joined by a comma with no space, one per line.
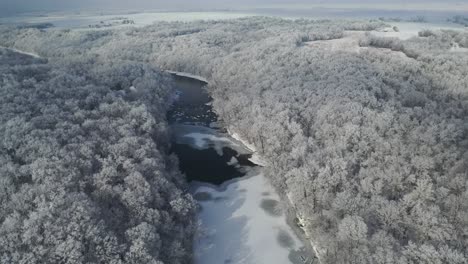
(15,6)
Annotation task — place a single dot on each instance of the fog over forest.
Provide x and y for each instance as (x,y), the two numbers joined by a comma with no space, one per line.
(363,135)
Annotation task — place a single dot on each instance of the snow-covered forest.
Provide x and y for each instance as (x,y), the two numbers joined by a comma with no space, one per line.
(85,175)
(364,135)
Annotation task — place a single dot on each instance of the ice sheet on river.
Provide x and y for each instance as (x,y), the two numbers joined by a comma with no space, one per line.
(242,222)
(200,137)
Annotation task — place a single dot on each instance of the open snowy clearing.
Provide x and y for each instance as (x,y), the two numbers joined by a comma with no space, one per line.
(349,43)
(457,48)
(407,30)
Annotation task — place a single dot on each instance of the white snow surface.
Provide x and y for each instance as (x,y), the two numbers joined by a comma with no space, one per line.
(256,158)
(203,138)
(259,160)
(235,229)
(456,48)
(22,52)
(407,30)
(189,75)
(237,137)
(349,43)
(204,141)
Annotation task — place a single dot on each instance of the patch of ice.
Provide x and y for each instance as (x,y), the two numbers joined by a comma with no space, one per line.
(233,161)
(204,141)
(201,137)
(236,230)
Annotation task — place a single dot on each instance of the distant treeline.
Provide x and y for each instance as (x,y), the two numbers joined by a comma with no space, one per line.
(462,20)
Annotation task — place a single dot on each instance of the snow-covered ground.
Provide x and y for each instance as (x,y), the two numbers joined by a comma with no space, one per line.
(350,41)
(408,30)
(256,158)
(189,75)
(457,48)
(237,137)
(243,223)
(22,52)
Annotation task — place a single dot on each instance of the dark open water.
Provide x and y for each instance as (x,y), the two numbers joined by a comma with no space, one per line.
(215,162)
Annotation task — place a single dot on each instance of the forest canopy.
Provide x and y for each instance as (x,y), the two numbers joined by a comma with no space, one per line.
(85,174)
(365,136)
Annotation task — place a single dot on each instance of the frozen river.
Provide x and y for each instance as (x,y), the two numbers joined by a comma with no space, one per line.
(241,218)
(243,222)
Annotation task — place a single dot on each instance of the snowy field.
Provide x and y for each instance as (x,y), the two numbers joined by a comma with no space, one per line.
(408,30)
(242,222)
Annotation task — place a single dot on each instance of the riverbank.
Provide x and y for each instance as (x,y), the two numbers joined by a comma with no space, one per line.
(292,217)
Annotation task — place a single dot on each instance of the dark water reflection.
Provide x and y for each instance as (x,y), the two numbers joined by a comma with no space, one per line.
(193,103)
(206,165)
(216,161)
